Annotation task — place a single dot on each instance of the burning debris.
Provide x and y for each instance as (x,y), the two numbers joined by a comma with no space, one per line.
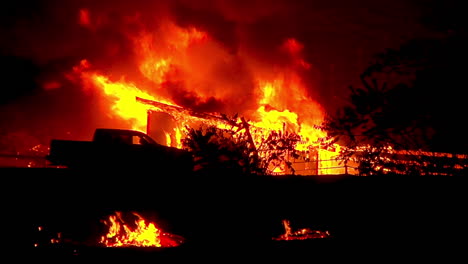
(137,234)
(301,234)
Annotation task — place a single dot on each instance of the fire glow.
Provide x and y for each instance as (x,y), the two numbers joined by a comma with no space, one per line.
(301,234)
(180,68)
(142,234)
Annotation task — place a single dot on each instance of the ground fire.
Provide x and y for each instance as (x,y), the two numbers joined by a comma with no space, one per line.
(140,233)
(300,234)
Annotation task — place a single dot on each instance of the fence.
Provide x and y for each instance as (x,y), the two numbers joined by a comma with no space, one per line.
(323,167)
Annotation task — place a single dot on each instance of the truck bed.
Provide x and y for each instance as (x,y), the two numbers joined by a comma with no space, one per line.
(84,154)
(69,152)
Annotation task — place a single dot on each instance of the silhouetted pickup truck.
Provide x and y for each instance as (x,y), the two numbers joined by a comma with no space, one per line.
(119,148)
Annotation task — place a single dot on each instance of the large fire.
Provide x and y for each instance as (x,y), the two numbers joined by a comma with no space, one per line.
(180,67)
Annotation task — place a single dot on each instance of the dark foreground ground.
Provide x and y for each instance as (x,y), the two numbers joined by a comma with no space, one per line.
(233,219)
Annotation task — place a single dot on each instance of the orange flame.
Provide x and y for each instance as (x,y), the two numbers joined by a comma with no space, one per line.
(143,235)
(301,234)
(125,104)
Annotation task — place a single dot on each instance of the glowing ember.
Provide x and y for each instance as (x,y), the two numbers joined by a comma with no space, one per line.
(141,234)
(301,234)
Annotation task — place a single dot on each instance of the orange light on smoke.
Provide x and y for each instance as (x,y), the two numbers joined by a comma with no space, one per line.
(84,18)
(165,51)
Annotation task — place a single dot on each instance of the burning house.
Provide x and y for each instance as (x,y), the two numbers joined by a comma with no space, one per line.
(166,124)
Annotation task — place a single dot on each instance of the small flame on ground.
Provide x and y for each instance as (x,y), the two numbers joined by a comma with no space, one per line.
(142,234)
(301,234)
